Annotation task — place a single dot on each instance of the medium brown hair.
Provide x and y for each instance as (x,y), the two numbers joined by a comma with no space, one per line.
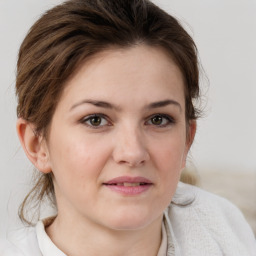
(67,35)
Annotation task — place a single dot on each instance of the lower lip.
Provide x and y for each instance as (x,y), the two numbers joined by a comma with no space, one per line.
(129,190)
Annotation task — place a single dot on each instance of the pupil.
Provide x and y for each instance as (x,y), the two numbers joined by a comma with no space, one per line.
(157,120)
(96,120)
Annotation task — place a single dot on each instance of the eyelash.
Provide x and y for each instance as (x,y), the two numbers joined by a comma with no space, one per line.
(168,119)
(89,119)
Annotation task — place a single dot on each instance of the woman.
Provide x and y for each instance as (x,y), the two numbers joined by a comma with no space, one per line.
(105,113)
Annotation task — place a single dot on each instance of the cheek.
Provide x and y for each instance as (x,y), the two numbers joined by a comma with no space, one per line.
(169,155)
(169,168)
(78,161)
(168,161)
(77,167)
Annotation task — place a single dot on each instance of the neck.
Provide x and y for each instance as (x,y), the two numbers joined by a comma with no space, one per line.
(75,238)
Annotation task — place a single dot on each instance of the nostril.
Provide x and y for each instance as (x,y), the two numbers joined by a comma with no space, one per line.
(132,162)
(130,149)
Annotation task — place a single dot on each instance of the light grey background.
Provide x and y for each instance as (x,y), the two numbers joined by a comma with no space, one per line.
(225,33)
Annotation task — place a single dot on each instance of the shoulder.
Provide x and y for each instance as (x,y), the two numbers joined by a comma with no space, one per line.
(21,242)
(206,205)
(203,217)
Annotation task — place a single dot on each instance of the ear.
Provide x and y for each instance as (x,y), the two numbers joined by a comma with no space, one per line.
(191,132)
(33,145)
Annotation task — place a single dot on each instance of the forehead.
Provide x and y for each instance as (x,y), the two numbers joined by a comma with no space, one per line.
(140,73)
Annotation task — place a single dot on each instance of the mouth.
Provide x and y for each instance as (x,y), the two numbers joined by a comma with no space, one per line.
(129,185)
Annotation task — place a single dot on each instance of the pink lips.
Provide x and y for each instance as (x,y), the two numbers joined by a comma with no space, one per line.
(129,185)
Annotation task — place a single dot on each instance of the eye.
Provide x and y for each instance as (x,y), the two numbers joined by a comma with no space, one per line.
(95,121)
(160,120)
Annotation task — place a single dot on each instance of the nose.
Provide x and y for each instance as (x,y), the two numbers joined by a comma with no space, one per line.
(130,148)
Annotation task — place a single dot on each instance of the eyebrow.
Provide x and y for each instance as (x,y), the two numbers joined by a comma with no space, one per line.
(163,103)
(104,104)
(97,103)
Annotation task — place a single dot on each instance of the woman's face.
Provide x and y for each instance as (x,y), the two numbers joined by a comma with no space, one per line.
(117,140)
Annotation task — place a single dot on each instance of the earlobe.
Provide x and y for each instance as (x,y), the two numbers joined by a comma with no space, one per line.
(33,145)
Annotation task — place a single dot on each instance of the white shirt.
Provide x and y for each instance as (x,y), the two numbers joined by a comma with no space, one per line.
(196,223)
(38,243)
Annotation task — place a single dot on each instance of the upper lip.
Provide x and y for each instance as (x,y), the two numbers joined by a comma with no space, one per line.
(128,179)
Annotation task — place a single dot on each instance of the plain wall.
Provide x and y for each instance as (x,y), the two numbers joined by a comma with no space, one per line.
(225,33)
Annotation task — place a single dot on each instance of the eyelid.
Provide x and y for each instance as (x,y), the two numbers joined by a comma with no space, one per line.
(87,118)
(169,118)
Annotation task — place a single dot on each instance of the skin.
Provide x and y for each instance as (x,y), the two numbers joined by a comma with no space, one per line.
(133,137)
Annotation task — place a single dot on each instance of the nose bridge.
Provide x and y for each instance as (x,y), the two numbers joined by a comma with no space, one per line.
(130,145)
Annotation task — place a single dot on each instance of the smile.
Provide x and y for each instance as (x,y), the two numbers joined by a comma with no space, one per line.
(129,185)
